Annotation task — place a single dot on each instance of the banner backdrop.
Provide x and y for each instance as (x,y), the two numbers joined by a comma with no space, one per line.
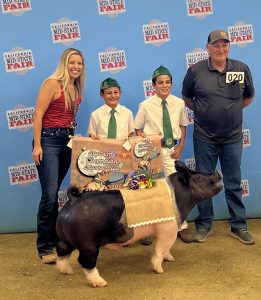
(126,40)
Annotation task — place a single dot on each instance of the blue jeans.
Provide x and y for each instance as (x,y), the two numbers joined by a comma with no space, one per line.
(52,170)
(229,155)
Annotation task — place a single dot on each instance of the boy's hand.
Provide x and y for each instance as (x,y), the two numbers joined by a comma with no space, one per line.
(176,154)
(142,134)
(139,132)
(94,136)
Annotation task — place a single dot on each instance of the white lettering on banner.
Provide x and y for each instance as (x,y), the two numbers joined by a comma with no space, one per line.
(19,60)
(190,115)
(190,163)
(15,7)
(65,31)
(199,8)
(246,138)
(111,8)
(245,188)
(156,32)
(112,60)
(21,118)
(23,173)
(195,56)
(148,89)
(62,198)
(241,34)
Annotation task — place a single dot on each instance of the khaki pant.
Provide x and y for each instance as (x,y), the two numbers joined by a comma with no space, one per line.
(169,168)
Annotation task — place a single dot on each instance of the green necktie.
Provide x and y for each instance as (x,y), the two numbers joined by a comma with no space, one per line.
(167,128)
(112,128)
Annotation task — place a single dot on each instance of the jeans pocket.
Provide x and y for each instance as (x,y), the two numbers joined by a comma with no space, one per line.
(48,132)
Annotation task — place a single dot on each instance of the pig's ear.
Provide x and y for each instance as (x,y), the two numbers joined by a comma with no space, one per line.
(183,171)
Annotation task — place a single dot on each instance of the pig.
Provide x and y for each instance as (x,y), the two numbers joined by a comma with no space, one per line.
(95,219)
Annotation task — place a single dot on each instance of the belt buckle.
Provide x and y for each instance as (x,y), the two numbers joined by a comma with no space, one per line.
(163,144)
(169,142)
(74,126)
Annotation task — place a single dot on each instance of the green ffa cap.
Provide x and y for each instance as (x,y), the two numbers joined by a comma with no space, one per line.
(161,71)
(216,35)
(109,83)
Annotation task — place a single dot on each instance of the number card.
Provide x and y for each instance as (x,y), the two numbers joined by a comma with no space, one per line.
(235,76)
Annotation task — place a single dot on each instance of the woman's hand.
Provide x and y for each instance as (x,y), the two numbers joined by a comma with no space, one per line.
(37,155)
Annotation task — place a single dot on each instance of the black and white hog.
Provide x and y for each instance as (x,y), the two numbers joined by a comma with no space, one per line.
(93,219)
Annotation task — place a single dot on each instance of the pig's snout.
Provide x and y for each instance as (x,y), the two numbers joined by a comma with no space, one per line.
(216,177)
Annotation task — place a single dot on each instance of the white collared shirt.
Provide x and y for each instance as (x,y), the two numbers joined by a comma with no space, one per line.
(150,118)
(99,121)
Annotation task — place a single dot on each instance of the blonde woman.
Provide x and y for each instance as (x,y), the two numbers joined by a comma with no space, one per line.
(54,121)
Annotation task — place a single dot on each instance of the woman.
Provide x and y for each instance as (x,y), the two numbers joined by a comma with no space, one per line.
(54,121)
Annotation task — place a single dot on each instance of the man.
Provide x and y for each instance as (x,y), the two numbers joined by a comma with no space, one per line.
(217,89)
(150,120)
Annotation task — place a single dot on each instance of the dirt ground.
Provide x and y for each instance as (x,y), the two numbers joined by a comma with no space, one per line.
(221,268)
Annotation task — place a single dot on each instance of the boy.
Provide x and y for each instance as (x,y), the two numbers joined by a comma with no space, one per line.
(151,119)
(120,117)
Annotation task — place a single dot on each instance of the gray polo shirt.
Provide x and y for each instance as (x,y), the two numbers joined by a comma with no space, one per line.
(218,105)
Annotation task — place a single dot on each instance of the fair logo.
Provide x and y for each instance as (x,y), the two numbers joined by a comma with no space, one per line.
(156,33)
(190,115)
(196,55)
(15,7)
(111,8)
(20,118)
(199,8)
(148,89)
(241,34)
(190,163)
(23,173)
(112,60)
(65,31)
(19,61)
(245,188)
(62,198)
(246,138)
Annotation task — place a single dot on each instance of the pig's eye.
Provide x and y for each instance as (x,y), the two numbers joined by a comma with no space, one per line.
(199,178)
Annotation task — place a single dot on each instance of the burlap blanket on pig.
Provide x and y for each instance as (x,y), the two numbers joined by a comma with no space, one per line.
(148,206)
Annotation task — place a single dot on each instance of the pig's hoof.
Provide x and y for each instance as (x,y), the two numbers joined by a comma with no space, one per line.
(168,257)
(156,264)
(93,278)
(64,266)
(68,271)
(98,283)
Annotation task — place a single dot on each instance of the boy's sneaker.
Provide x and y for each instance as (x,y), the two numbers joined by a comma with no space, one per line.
(48,258)
(201,234)
(243,235)
(147,241)
(186,236)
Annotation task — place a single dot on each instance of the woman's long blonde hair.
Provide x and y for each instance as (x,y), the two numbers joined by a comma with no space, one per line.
(61,74)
